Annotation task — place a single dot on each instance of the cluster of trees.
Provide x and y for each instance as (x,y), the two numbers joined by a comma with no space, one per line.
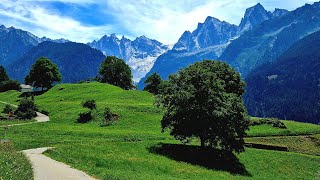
(43,74)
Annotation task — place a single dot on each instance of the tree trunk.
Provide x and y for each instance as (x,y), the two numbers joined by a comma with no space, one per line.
(202,140)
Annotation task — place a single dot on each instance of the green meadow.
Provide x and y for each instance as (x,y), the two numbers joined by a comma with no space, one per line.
(133,147)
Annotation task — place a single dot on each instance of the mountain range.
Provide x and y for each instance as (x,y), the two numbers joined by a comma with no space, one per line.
(269,39)
(75,61)
(16,42)
(209,40)
(288,88)
(16,45)
(140,54)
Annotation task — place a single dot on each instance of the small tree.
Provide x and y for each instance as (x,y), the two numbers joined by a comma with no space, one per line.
(43,73)
(26,109)
(3,74)
(116,72)
(204,100)
(90,104)
(153,82)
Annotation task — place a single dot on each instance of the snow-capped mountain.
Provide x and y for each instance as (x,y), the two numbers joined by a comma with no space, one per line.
(253,16)
(16,42)
(140,54)
(211,32)
(208,41)
(257,14)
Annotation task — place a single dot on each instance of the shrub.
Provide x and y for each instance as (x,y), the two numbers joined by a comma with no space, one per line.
(85,117)
(8,108)
(26,109)
(90,104)
(9,85)
(108,117)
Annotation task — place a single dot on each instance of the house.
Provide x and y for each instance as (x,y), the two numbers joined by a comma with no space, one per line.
(26,88)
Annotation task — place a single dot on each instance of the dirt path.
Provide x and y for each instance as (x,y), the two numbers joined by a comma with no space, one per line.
(46,168)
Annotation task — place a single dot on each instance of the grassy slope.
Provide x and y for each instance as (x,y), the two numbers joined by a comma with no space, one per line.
(14,165)
(123,149)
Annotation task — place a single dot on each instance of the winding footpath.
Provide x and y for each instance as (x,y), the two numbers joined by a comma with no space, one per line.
(45,168)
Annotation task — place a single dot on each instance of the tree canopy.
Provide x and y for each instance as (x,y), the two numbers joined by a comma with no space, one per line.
(116,72)
(153,83)
(43,73)
(3,74)
(204,100)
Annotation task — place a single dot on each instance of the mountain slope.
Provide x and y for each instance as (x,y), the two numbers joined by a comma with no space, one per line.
(139,54)
(271,38)
(290,87)
(14,43)
(208,41)
(76,61)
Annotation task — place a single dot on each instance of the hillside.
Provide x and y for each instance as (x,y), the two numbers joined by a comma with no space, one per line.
(134,147)
(76,61)
(268,40)
(290,87)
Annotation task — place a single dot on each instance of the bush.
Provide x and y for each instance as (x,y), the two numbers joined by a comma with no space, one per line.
(108,117)
(90,104)
(85,117)
(8,108)
(26,109)
(9,85)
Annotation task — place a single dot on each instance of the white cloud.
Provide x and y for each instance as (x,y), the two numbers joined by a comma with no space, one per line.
(43,22)
(164,20)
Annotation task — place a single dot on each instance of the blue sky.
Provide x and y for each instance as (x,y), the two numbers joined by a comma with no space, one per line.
(88,20)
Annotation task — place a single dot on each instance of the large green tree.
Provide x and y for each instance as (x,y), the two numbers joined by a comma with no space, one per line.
(153,83)
(116,72)
(3,74)
(204,100)
(43,73)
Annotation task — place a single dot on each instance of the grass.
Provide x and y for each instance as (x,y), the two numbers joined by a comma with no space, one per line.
(303,144)
(130,149)
(11,122)
(293,128)
(133,160)
(14,165)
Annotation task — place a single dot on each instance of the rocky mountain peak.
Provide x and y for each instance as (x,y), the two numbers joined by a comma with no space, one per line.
(254,16)
(279,12)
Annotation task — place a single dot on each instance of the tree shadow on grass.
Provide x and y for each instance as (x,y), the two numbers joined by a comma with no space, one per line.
(208,158)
